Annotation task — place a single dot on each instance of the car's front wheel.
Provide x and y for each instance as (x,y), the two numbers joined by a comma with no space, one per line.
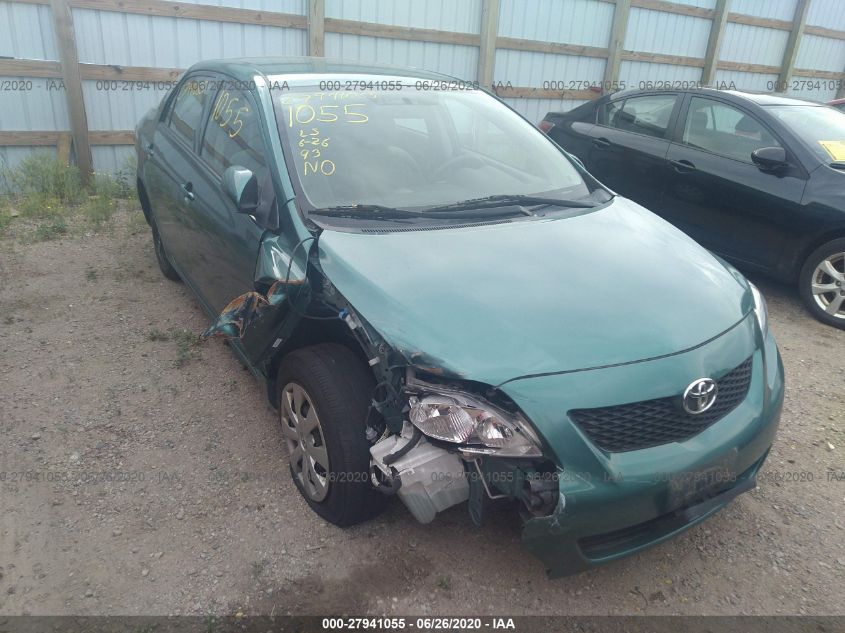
(161,256)
(822,283)
(324,395)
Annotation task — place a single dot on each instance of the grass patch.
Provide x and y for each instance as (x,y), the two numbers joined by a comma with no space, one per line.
(5,219)
(50,230)
(48,197)
(187,344)
(44,177)
(157,335)
(98,210)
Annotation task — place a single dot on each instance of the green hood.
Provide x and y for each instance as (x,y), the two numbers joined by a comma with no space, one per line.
(497,302)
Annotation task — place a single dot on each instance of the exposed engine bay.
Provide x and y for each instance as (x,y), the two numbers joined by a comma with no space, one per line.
(435,440)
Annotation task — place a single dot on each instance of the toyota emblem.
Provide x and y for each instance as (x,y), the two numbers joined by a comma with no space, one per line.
(700,396)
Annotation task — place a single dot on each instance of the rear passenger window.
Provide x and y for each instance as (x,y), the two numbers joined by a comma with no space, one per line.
(722,129)
(649,115)
(233,135)
(186,117)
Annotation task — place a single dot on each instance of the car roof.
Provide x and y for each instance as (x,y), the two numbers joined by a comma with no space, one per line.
(761,99)
(245,68)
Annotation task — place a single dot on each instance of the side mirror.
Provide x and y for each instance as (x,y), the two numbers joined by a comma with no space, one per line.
(241,185)
(769,158)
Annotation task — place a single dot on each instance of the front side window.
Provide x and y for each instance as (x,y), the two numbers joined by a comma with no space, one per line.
(233,135)
(413,147)
(186,117)
(722,129)
(823,129)
(649,115)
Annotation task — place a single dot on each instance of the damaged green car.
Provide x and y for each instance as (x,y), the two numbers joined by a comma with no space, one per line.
(447,308)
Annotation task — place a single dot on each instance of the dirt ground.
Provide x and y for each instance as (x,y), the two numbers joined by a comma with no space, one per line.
(132,483)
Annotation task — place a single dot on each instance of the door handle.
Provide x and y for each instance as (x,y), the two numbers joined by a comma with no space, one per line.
(188,190)
(682,166)
(601,143)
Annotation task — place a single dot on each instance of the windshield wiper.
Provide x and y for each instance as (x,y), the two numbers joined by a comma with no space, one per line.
(374,211)
(380,212)
(492,202)
(838,164)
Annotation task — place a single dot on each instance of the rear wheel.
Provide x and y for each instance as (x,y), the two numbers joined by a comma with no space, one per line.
(163,263)
(822,283)
(324,397)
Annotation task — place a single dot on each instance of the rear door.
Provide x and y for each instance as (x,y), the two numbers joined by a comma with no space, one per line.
(629,145)
(172,163)
(717,195)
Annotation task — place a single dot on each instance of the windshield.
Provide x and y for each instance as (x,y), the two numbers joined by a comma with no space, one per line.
(405,144)
(821,127)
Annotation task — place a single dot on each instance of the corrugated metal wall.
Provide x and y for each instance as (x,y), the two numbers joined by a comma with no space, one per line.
(105,37)
(579,22)
(26,31)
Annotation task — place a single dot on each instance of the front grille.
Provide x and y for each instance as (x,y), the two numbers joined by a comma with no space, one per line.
(631,427)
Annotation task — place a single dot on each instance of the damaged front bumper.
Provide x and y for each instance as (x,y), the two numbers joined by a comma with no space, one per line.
(567,543)
(612,505)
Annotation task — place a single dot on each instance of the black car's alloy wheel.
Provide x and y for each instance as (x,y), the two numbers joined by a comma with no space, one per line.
(823,283)
(324,395)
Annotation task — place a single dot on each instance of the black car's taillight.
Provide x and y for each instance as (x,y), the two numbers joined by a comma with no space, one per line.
(545,126)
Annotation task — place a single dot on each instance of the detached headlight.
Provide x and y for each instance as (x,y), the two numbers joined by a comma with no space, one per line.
(479,427)
(760,309)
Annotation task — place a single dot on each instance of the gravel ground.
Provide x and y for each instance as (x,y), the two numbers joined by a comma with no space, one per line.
(196,513)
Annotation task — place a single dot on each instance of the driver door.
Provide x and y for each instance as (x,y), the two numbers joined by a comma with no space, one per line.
(225,243)
(717,195)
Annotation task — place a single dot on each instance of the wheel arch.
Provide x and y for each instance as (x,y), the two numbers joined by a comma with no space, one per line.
(144,199)
(810,247)
(307,333)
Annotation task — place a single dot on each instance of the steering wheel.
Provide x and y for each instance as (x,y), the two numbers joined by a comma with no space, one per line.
(461,160)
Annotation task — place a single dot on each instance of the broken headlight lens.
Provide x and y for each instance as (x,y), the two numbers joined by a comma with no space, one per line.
(479,428)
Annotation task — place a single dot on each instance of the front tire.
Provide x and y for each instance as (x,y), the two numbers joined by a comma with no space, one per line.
(324,396)
(161,256)
(822,283)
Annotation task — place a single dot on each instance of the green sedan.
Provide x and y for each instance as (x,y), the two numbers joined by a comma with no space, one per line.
(447,308)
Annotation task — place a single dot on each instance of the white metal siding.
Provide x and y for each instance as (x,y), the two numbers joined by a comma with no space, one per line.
(533,70)
(581,22)
(114,38)
(667,33)
(451,59)
(753,45)
(26,31)
(644,75)
(827,13)
(463,16)
(772,9)
(750,82)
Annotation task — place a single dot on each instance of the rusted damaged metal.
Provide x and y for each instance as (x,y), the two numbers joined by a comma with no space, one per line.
(274,267)
(240,313)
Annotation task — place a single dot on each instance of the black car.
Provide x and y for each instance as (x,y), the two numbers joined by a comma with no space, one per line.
(758,179)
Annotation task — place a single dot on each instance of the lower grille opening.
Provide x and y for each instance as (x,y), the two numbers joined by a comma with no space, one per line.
(618,541)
